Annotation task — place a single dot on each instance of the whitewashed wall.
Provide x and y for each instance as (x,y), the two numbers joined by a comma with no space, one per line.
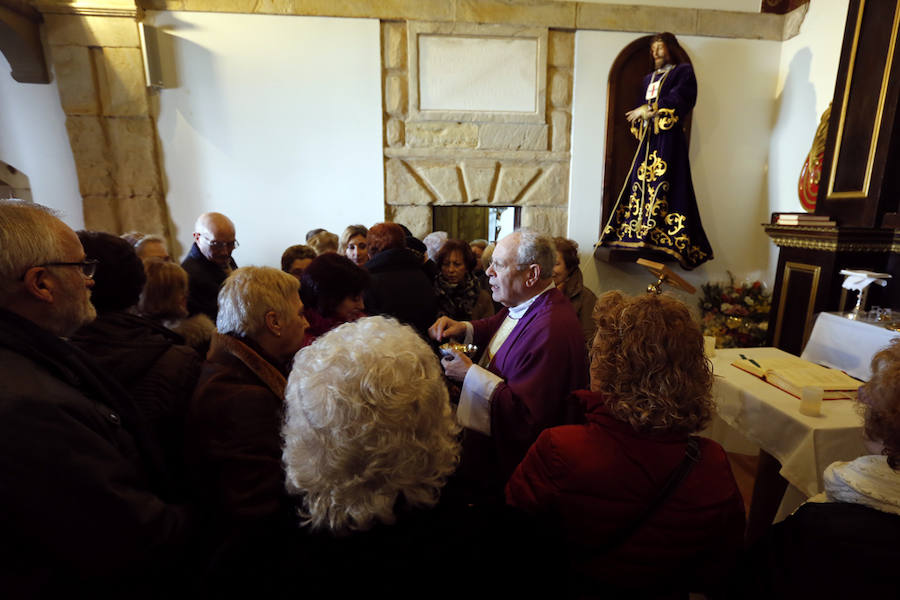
(805,86)
(33,139)
(732,124)
(276,122)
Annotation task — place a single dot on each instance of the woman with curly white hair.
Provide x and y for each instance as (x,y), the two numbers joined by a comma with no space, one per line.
(369,444)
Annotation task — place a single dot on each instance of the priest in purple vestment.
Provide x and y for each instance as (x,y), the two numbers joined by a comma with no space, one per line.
(657,208)
(532,356)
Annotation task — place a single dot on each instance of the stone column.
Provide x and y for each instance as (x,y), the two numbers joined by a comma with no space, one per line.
(96,57)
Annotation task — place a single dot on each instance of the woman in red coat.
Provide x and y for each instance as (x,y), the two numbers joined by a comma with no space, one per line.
(650,390)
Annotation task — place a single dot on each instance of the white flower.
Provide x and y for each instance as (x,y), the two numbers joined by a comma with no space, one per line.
(749,301)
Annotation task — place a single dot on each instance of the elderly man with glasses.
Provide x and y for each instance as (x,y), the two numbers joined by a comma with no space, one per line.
(209,262)
(83,508)
(532,357)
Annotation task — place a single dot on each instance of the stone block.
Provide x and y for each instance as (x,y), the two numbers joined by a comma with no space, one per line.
(422,10)
(133,149)
(393,132)
(560,88)
(560,126)
(544,13)
(430,134)
(393,38)
(621,17)
(275,7)
(122,87)
(162,4)
(444,180)
(142,213)
(550,220)
(89,147)
(514,181)
(512,136)
(561,49)
(75,30)
(232,6)
(551,188)
(416,218)
(403,185)
(100,214)
(395,95)
(480,178)
(75,80)
(729,24)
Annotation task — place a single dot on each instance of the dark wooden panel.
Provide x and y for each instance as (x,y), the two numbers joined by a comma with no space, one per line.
(859,186)
(865,90)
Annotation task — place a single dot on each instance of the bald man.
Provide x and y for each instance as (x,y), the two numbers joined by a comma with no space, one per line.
(209,262)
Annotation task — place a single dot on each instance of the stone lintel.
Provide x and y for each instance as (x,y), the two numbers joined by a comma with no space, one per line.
(76,30)
(541,13)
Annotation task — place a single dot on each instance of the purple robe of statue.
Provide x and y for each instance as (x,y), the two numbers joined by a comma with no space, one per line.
(657,208)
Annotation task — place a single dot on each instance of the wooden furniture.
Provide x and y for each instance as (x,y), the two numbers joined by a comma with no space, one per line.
(859,188)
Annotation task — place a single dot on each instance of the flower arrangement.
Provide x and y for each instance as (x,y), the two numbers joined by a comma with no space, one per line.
(737,315)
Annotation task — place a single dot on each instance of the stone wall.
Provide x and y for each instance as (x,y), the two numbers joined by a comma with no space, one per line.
(480,161)
(109,118)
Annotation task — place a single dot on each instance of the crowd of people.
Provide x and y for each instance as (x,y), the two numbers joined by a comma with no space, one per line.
(209,430)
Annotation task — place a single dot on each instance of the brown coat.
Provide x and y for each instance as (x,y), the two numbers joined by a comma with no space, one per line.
(233,444)
(583,301)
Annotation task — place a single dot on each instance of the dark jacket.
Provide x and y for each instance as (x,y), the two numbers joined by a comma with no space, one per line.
(829,550)
(489,552)
(152,363)
(81,513)
(204,280)
(595,478)
(401,289)
(233,434)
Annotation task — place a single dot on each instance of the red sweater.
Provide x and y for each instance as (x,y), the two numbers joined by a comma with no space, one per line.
(596,478)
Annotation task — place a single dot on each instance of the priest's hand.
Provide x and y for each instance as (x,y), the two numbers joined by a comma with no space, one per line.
(446,327)
(456,365)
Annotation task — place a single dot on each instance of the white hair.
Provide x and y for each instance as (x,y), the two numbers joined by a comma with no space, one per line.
(536,249)
(367,421)
(433,242)
(251,292)
(29,236)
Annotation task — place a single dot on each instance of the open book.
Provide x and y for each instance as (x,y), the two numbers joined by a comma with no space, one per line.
(792,374)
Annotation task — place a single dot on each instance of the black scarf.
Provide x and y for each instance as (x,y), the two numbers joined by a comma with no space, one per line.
(456,300)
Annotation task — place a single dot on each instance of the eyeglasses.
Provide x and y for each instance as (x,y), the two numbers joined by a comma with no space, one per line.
(88,266)
(497,266)
(215,245)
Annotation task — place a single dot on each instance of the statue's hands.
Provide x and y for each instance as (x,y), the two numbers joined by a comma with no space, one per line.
(641,112)
(456,365)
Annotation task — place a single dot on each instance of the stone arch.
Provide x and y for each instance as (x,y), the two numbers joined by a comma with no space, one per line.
(14,183)
(624,93)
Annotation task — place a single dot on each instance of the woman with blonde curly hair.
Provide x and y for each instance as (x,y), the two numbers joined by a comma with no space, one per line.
(645,506)
(849,532)
(369,444)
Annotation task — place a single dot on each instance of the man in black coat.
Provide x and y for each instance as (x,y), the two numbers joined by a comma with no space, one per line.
(81,512)
(209,262)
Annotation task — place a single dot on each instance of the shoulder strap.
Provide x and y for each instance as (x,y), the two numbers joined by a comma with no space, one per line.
(691,458)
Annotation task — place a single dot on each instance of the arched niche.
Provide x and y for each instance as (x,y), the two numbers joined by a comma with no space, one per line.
(625,92)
